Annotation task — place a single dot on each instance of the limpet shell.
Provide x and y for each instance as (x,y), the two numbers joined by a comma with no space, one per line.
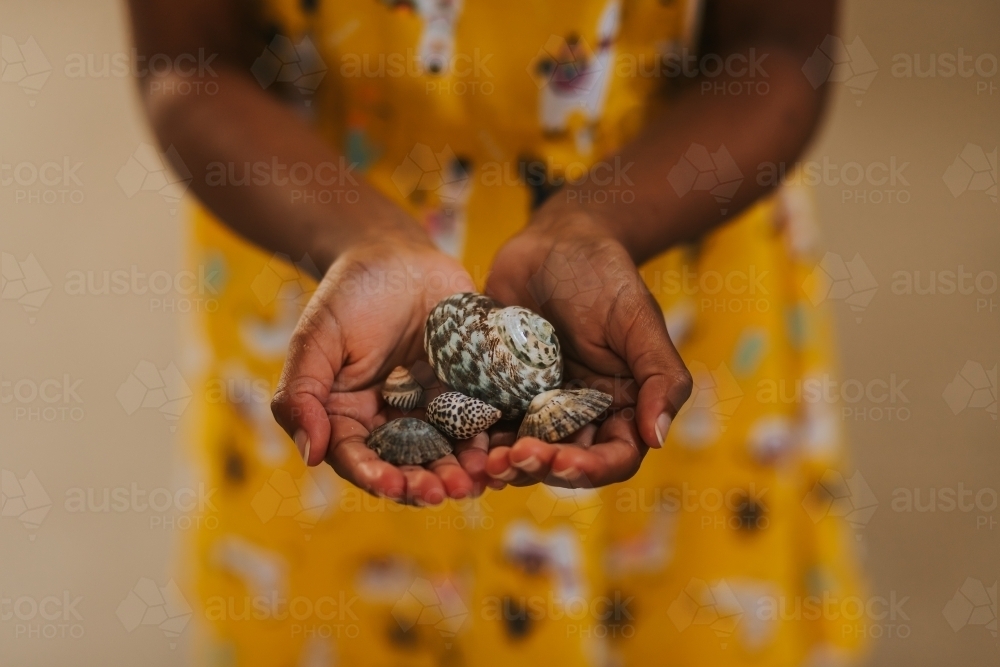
(554,415)
(408,442)
(401,390)
(502,356)
(461,416)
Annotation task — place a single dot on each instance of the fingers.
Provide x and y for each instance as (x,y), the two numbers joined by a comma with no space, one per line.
(615,457)
(528,461)
(351,458)
(636,330)
(422,486)
(472,456)
(298,405)
(502,472)
(455,481)
(615,380)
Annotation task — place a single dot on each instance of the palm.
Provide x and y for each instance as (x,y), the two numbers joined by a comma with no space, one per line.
(366,317)
(613,339)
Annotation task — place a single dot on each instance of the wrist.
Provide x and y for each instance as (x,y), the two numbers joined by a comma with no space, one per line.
(631,226)
(385,229)
(562,220)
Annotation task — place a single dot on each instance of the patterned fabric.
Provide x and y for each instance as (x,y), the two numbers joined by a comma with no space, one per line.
(467,114)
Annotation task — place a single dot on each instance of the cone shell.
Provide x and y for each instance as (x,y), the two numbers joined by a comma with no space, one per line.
(401,390)
(461,416)
(408,441)
(502,356)
(557,414)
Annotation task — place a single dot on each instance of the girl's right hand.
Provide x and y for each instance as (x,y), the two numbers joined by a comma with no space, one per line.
(366,317)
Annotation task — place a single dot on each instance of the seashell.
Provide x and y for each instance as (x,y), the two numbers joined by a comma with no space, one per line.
(461,416)
(401,390)
(559,413)
(408,442)
(502,356)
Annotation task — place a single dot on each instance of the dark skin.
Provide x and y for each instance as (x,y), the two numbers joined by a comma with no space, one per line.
(353,331)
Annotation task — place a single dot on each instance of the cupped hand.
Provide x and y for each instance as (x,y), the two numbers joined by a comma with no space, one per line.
(366,317)
(567,266)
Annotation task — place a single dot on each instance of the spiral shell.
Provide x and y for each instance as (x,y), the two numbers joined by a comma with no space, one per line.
(557,414)
(401,390)
(502,356)
(408,442)
(461,416)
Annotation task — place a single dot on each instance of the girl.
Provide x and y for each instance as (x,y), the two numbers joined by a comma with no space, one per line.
(540,152)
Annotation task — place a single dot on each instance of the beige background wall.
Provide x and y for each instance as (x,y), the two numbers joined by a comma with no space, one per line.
(90,344)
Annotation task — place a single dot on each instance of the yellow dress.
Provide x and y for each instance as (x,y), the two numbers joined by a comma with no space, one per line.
(718,549)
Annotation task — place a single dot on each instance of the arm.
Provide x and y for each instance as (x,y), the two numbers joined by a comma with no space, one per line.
(755,128)
(358,325)
(620,341)
(243,124)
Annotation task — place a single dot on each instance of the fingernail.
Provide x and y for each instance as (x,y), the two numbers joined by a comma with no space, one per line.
(569,474)
(303,445)
(497,485)
(507,475)
(661,427)
(529,465)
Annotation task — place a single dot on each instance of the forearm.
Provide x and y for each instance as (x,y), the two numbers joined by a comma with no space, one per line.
(241,145)
(753,129)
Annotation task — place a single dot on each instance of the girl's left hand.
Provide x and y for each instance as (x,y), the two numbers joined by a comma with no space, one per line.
(567,266)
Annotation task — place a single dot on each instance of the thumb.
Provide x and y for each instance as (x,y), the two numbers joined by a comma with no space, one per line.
(639,333)
(299,403)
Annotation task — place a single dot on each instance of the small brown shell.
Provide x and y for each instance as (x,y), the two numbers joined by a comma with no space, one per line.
(554,415)
(401,390)
(461,416)
(408,442)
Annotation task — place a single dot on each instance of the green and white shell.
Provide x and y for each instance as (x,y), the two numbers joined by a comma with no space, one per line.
(501,356)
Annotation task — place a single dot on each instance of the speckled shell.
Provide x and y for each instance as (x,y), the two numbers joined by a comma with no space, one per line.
(502,356)
(557,414)
(408,441)
(461,416)
(401,390)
